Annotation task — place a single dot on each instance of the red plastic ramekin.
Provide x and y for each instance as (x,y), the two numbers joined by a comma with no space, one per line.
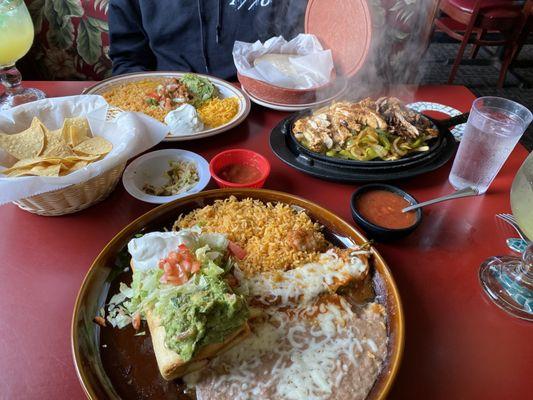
(239,156)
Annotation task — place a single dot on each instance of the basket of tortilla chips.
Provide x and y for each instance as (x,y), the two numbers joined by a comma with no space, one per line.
(59,156)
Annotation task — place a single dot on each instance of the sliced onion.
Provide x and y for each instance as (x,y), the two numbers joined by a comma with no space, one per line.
(397,149)
(380,150)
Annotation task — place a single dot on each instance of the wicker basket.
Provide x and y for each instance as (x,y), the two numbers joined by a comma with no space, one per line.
(75,197)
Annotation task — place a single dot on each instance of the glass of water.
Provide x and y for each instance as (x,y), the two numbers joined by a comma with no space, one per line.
(494,127)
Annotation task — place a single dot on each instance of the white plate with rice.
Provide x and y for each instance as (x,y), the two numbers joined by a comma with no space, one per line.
(150,170)
(225,90)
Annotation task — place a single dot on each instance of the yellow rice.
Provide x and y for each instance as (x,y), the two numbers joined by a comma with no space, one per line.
(215,112)
(131,97)
(260,229)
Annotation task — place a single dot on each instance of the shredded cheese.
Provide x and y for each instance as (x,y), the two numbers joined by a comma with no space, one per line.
(216,112)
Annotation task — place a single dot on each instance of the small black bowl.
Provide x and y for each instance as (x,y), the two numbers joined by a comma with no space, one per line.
(379,232)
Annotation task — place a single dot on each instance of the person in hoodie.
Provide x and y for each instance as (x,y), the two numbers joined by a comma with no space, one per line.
(194,35)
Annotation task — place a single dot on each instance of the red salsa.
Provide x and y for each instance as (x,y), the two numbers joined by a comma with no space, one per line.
(384,208)
(240,173)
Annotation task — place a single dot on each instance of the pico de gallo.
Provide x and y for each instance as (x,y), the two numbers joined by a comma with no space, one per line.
(169,96)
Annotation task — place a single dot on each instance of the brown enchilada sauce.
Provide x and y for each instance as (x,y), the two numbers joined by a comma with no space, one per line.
(130,364)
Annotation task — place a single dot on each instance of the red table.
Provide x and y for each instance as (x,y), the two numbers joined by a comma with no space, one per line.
(458,344)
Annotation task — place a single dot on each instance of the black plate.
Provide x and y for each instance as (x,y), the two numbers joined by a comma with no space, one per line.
(345,173)
(435,146)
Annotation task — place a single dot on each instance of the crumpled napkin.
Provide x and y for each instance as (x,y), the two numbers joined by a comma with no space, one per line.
(131,134)
(313,64)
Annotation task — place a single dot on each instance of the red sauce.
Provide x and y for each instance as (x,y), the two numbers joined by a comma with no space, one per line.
(239,173)
(384,208)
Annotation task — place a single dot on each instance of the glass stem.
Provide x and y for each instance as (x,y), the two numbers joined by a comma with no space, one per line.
(11,79)
(527,264)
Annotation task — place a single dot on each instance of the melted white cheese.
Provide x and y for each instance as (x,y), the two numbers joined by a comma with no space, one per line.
(305,283)
(302,369)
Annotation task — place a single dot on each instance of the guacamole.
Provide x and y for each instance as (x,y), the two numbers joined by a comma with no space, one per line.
(205,312)
(200,88)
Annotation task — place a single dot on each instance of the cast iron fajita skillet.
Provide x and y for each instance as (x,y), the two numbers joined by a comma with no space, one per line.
(281,147)
(436,146)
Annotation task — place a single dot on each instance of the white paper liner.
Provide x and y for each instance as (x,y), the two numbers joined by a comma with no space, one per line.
(313,63)
(131,133)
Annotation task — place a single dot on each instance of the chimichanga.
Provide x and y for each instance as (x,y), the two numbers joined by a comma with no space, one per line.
(169,362)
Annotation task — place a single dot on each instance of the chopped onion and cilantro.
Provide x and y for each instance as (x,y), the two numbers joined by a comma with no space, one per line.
(182,176)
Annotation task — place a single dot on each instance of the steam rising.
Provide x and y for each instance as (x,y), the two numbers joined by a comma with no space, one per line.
(400,33)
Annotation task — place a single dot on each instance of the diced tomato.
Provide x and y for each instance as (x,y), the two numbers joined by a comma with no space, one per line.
(236,250)
(186,265)
(173,256)
(170,269)
(178,266)
(136,321)
(195,267)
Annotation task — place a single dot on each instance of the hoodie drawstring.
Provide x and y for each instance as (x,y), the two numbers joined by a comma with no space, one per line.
(219,21)
(202,35)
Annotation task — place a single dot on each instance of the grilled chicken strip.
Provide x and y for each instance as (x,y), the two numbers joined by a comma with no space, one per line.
(333,126)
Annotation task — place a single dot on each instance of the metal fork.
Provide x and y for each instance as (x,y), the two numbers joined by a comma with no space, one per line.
(511,220)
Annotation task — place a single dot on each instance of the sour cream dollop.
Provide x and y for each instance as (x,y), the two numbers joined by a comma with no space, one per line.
(147,250)
(184,120)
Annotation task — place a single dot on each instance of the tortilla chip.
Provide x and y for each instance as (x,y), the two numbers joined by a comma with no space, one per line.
(33,161)
(52,153)
(67,161)
(75,130)
(75,158)
(55,145)
(26,144)
(74,167)
(38,170)
(94,146)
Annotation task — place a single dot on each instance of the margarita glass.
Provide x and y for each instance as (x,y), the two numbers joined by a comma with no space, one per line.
(508,280)
(16,37)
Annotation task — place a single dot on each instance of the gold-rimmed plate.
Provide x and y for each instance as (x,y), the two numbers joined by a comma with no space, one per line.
(225,89)
(142,380)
